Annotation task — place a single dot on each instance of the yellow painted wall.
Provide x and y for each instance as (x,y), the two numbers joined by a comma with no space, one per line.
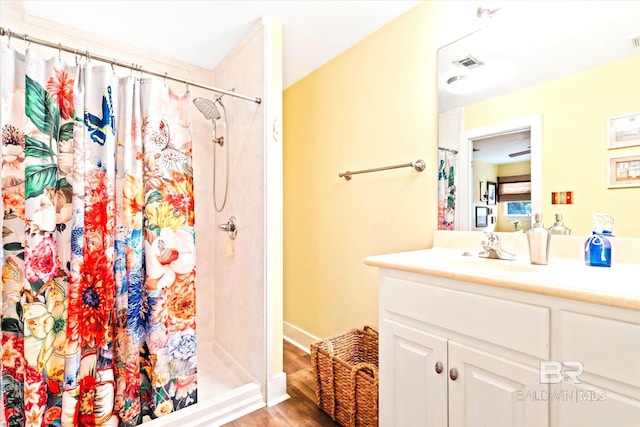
(485,172)
(374,105)
(511,169)
(574,154)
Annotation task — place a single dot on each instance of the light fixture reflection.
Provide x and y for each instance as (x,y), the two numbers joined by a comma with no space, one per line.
(485,14)
(458,84)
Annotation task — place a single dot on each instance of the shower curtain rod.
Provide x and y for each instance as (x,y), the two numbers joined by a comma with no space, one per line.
(115,62)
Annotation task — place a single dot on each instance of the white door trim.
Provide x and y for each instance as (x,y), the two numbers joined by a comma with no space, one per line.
(534,124)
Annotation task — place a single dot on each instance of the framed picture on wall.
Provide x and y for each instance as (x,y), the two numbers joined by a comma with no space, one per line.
(482,215)
(624,171)
(491,193)
(623,131)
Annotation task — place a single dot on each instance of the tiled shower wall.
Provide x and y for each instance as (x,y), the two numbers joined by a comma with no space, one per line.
(239,296)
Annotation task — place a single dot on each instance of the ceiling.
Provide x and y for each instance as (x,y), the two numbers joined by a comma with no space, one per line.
(504,148)
(529,42)
(203,32)
(526,43)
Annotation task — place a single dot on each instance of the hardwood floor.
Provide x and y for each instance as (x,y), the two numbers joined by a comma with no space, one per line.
(301,409)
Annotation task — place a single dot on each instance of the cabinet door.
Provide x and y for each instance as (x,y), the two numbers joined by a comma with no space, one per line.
(489,390)
(590,405)
(412,391)
(607,391)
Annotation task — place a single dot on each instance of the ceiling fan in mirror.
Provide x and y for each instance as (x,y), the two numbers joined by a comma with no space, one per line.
(521,153)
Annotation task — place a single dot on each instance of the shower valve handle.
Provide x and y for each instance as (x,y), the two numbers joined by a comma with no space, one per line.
(227,227)
(230,227)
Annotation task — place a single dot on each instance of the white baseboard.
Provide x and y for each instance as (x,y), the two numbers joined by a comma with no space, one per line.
(277,389)
(298,337)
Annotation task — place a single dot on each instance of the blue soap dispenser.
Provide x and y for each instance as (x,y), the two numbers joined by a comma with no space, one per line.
(597,248)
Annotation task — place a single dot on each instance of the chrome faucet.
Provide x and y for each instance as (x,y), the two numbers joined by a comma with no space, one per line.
(493,248)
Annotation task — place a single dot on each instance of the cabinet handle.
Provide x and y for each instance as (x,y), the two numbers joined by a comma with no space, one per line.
(438,367)
(453,374)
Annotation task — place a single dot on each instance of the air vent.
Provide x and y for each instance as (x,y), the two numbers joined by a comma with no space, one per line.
(468,62)
(635,42)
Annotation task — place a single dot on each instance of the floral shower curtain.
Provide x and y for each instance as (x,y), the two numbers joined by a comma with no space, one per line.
(98,250)
(446,189)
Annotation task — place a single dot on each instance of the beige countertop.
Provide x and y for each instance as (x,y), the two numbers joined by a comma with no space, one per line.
(617,286)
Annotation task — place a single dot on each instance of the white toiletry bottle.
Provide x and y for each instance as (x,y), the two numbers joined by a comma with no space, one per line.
(539,239)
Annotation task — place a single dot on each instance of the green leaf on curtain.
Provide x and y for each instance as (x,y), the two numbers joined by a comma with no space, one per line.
(154,196)
(35,286)
(19,310)
(154,228)
(10,324)
(39,177)
(13,390)
(6,232)
(37,149)
(13,246)
(40,108)
(63,183)
(66,131)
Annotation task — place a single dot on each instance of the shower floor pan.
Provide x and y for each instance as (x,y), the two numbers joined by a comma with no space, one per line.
(225,393)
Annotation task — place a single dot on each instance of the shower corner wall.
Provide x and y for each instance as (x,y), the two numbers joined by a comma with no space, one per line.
(274,195)
(244,305)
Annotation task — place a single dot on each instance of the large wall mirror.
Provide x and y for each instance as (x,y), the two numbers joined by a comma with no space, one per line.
(532,92)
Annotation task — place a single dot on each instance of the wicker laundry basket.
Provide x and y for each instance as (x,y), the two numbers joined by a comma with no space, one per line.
(345,367)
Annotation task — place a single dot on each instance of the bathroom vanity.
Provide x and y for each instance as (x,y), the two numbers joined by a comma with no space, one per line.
(469,341)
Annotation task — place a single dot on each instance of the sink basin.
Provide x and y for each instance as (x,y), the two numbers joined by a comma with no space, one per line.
(494,265)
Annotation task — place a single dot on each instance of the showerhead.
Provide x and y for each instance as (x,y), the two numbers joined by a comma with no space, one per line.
(210,112)
(208,107)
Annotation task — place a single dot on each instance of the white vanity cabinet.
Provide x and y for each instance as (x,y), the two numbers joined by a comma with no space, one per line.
(434,369)
(461,354)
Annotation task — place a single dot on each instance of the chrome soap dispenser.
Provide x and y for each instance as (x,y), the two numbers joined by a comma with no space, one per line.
(558,227)
(539,239)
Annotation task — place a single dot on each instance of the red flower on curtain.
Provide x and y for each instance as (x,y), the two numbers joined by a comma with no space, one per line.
(96,298)
(99,209)
(60,88)
(35,395)
(181,202)
(85,415)
(53,413)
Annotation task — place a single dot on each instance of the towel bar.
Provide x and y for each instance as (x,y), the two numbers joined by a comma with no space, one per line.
(418,165)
